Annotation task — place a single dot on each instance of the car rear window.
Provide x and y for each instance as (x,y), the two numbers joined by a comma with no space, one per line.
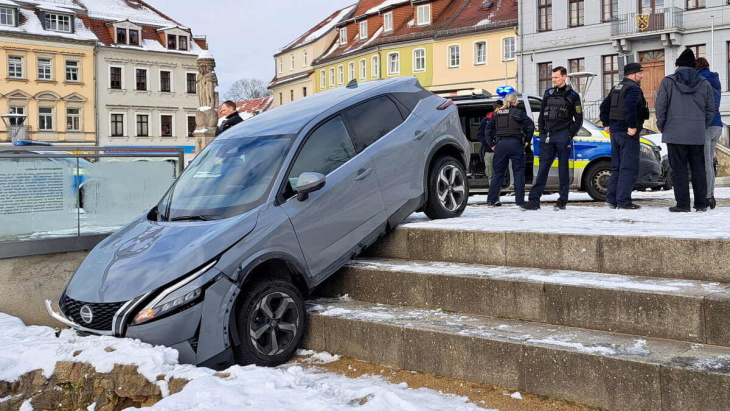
(410,100)
(372,120)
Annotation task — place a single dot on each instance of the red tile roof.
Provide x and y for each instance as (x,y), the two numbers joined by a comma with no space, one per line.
(315,33)
(251,107)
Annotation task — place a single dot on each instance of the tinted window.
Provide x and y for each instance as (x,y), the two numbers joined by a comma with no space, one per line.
(410,100)
(324,151)
(372,120)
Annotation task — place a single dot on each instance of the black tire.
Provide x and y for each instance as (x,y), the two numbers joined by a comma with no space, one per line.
(251,317)
(596,180)
(454,189)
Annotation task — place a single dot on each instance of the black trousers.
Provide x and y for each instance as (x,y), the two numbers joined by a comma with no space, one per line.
(560,146)
(625,152)
(679,156)
(508,149)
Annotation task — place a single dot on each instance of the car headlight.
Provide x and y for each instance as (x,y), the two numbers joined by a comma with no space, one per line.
(646,150)
(182,294)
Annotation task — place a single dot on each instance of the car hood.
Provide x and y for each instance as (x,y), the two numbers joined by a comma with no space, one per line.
(145,255)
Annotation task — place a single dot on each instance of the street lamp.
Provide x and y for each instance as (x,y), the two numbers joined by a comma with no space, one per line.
(14,125)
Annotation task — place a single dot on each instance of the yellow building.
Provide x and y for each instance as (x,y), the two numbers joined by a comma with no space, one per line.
(47,73)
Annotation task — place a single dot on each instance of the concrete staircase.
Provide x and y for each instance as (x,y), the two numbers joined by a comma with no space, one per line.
(620,323)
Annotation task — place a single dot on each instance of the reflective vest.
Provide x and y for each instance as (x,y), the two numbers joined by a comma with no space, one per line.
(506,125)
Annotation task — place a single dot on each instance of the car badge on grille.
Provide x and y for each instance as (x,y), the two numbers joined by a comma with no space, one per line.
(86,314)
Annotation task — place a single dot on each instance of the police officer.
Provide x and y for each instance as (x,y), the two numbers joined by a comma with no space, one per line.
(509,132)
(488,153)
(623,113)
(561,117)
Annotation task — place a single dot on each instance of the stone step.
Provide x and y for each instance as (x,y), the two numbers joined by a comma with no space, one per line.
(611,371)
(685,310)
(682,258)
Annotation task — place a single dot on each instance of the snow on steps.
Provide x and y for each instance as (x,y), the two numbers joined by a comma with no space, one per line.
(611,371)
(686,310)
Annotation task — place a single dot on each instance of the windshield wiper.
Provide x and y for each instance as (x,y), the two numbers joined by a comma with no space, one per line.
(195,218)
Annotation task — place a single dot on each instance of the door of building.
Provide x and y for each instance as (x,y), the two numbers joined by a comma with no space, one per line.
(653,64)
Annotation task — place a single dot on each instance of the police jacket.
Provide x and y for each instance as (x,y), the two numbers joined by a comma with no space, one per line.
(231,120)
(625,107)
(561,109)
(510,123)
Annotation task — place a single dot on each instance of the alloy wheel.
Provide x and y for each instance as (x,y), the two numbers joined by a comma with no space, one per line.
(274,323)
(451,187)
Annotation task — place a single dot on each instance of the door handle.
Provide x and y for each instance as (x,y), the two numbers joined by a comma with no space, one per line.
(362,174)
(420,134)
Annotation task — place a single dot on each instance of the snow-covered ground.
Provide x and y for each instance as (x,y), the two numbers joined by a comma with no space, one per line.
(584,217)
(288,387)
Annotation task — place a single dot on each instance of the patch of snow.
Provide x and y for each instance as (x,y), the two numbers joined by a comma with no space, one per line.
(712,364)
(576,346)
(322,30)
(385,4)
(27,406)
(516,395)
(484,22)
(322,358)
(410,23)
(113,10)
(205,108)
(205,54)
(33,25)
(639,348)
(91,407)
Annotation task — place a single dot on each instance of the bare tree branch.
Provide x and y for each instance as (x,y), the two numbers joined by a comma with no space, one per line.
(247,89)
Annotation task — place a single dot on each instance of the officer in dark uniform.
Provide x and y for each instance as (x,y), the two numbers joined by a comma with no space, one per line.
(561,117)
(623,113)
(509,132)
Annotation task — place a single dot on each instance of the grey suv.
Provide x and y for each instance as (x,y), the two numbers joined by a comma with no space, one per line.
(273,207)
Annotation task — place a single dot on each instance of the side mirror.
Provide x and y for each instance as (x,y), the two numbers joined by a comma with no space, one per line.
(308,183)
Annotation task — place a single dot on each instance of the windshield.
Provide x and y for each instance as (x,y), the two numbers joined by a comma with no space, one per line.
(229,177)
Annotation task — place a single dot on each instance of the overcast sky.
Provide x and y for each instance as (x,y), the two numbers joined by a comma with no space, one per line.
(244,34)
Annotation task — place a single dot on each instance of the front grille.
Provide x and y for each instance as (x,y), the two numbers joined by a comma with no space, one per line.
(103,313)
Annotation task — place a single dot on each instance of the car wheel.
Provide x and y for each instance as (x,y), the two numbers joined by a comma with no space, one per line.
(448,189)
(596,180)
(270,321)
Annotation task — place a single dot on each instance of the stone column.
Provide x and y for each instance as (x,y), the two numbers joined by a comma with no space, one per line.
(206,119)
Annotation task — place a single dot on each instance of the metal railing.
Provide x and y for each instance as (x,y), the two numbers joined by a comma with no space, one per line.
(669,18)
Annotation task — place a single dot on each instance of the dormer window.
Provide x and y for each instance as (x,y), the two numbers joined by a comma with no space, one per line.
(343,36)
(183,43)
(134,37)
(388,22)
(7,16)
(363,30)
(58,22)
(171,42)
(121,36)
(423,16)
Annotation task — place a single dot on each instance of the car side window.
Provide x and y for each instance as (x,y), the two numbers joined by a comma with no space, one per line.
(372,120)
(583,132)
(326,149)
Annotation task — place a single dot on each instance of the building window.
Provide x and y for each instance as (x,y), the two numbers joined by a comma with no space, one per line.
(363,30)
(577,66)
(545,72)
(363,69)
(375,69)
(545,15)
(480,52)
(45,119)
(304,92)
(454,56)
(508,48)
(291,66)
(121,36)
(393,64)
(171,42)
(192,86)
(351,71)
(343,36)
(191,126)
(166,126)
(183,43)
(304,59)
(134,37)
(117,125)
(332,77)
(700,50)
(322,79)
(695,4)
(72,71)
(291,95)
(165,83)
(419,60)
(7,16)
(73,119)
(44,69)
(576,9)
(15,67)
(16,110)
(423,15)
(388,22)
(341,74)
(115,78)
(609,8)
(141,79)
(143,125)
(58,22)
(610,73)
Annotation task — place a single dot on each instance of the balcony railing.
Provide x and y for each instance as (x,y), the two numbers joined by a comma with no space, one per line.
(638,23)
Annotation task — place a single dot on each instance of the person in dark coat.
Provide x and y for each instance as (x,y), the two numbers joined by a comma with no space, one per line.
(715,130)
(509,132)
(685,108)
(232,117)
(623,113)
(487,152)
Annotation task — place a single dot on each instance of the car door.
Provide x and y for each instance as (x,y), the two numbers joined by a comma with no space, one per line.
(393,145)
(338,217)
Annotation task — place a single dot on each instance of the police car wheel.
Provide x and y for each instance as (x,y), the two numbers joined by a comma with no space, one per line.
(448,189)
(596,180)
